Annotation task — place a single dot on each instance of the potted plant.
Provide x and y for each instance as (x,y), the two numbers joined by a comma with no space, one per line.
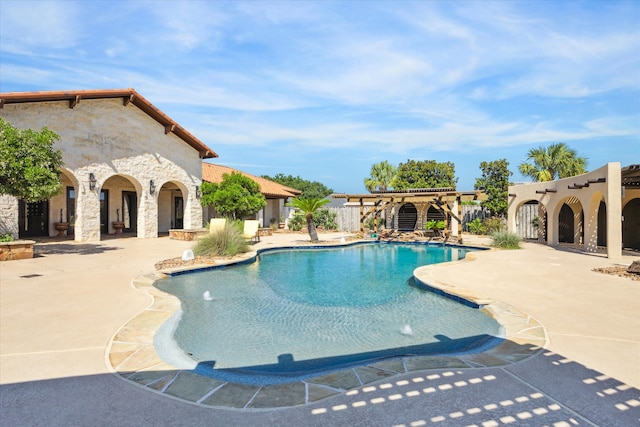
(117,224)
(61,226)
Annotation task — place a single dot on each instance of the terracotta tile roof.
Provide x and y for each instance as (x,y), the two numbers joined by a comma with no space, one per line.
(213,173)
(127,95)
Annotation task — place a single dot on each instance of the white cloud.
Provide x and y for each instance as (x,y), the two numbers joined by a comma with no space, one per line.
(26,25)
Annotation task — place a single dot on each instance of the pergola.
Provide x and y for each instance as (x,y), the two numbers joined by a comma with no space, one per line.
(447,201)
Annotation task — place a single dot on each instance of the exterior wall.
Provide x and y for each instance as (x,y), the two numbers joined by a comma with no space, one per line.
(108,139)
(9,215)
(585,200)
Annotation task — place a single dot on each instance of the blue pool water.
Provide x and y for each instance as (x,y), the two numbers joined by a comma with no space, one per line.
(295,313)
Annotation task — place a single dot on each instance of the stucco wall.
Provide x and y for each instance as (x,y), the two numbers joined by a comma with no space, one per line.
(107,138)
(584,200)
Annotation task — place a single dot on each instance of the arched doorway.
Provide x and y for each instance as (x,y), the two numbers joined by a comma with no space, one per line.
(119,206)
(566,225)
(631,225)
(434,214)
(171,204)
(407,217)
(602,224)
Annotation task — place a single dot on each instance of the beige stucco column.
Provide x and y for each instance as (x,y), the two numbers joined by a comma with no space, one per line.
(613,199)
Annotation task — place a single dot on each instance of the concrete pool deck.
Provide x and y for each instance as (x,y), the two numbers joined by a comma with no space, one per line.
(59,312)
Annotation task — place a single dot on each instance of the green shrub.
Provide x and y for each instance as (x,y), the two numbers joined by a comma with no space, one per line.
(476,227)
(505,240)
(297,222)
(7,237)
(435,225)
(225,242)
(493,225)
(326,219)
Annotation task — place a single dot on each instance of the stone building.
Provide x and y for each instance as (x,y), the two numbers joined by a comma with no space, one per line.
(128,167)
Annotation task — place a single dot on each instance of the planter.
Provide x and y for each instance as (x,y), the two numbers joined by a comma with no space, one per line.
(187,234)
(118,226)
(18,249)
(61,227)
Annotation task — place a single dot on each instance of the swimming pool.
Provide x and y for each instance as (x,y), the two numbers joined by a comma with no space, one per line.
(296,313)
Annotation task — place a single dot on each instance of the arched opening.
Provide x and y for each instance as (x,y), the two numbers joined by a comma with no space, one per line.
(119,206)
(171,202)
(527,220)
(566,224)
(434,214)
(631,225)
(407,217)
(602,224)
(41,218)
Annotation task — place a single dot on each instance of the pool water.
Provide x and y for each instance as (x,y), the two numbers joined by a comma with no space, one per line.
(295,313)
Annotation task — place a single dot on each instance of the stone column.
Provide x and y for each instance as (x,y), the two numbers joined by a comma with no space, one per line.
(87,226)
(9,213)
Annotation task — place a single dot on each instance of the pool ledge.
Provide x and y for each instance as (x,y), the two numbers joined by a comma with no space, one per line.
(132,356)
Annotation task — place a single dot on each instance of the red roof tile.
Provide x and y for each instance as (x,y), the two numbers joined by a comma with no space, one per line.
(213,173)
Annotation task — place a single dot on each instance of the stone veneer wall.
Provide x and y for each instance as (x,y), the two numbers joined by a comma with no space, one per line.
(9,215)
(107,138)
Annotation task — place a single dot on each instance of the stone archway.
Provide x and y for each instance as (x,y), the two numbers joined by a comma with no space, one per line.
(172,197)
(407,217)
(120,205)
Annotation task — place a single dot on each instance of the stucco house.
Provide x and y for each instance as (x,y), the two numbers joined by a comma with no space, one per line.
(595,212)
(276,194)
(128,167)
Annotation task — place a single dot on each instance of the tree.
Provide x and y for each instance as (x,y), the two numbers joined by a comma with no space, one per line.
(553,162)
(236,197)
(29,166)
(424,174)
(495,183)
(381,175)
(310,189)
(309,207)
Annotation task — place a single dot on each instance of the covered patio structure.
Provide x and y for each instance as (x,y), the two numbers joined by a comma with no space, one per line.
(410,210)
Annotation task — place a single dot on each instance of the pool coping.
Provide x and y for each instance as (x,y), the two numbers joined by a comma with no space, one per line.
(132,357)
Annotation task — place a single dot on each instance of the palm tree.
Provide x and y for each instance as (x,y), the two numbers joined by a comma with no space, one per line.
(553,162)
(309,206)
(381,175)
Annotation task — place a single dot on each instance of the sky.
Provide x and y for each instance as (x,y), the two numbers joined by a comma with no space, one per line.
(325,89)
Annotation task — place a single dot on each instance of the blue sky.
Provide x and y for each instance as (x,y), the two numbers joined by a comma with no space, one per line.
(325,89)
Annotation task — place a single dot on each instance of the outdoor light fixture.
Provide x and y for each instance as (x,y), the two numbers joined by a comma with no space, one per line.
(152,187)
(197,192)
(92,181)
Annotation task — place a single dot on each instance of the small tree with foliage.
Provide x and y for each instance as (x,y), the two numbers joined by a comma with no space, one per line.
(236,197)
(553,162)
(29,165)
(424,174)
(310,189)
(309,207)
(495,183)
(381,175)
